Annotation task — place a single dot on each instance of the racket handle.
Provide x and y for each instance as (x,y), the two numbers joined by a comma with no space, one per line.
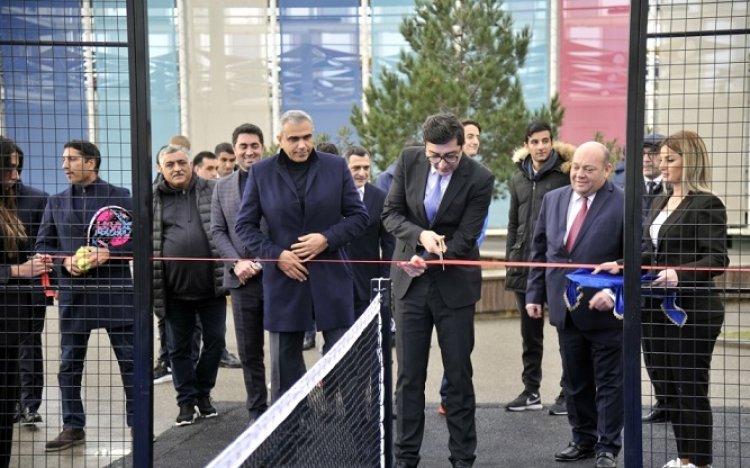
(48,292)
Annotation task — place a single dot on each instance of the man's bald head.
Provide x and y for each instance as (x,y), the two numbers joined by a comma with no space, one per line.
(590,168)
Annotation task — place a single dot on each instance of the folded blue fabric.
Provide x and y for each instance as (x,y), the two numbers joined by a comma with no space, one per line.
(582,278)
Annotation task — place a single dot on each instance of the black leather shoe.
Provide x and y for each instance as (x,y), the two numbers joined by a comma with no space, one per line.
(461,464)
(309,341)
(658,414)
(404,464)
(605,460)
(574,452)
(229,360)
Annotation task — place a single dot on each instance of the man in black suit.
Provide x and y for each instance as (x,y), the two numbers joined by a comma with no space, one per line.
(652,188)
(435,209)
(583,223)
(651,173)
(375,242)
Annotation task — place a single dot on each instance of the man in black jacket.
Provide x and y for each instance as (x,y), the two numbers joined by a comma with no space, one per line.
(375,242)
(185,288)
(541,168)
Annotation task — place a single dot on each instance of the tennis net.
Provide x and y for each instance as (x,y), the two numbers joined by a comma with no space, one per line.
(334,416)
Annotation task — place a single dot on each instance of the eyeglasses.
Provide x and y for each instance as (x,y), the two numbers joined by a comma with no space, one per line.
(449,158)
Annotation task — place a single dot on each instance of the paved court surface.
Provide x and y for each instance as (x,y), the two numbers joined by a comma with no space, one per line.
(505,439)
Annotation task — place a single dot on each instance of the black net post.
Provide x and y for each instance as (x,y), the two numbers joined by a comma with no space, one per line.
(631,355)
(382,286)
(140,134)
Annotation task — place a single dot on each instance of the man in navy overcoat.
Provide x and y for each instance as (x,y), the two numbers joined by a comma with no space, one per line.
(313,211)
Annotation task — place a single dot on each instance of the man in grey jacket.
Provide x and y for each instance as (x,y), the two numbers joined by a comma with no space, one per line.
(242,276)
(184,288)
(541,168)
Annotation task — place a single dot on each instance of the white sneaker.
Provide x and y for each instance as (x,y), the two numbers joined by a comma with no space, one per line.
(677,463)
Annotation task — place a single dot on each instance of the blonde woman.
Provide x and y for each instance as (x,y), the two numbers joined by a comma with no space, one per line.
(685,244)
(686,232)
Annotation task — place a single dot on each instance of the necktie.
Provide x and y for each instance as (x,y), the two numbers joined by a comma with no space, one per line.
(575,228)
(432,203)
(650,185)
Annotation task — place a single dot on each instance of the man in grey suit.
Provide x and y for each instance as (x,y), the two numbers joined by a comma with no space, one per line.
(583,224)
(242,275)
(436,208)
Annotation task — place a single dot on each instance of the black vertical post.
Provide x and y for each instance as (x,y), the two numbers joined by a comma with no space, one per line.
(633,434)
(140,140)
(382,286)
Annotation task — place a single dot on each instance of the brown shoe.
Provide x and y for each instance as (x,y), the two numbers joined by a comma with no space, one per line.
(67,438)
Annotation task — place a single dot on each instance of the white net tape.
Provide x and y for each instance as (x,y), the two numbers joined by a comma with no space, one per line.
(246,443)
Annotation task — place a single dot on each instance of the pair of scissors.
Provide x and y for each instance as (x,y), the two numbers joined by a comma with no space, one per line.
(441,246)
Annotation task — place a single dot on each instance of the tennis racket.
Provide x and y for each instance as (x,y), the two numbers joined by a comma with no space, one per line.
(111,226)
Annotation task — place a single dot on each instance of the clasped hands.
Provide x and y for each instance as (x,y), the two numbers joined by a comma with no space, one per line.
(244,270)
(432,243)
(291,262)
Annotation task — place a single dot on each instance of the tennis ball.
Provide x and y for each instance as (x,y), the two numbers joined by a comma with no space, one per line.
(83,263)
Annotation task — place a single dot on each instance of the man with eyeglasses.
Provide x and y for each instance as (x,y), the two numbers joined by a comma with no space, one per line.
(435,210)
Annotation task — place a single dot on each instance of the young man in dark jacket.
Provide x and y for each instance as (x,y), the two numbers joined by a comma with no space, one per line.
(184,289)
(542,166)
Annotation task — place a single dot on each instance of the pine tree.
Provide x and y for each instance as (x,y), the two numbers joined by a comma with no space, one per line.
(464,59)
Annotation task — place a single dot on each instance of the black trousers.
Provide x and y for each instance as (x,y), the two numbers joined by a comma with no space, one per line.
(8,397)
(31,360)
(14,309)
(247,309)
(417,313)
(287,360)
(683,357)
(655,373)
(532,337)
(592,362)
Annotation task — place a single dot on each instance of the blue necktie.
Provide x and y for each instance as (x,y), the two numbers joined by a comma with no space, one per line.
(432,203)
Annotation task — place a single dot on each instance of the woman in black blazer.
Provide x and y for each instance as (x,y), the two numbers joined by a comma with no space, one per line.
(16,272)
(686,229)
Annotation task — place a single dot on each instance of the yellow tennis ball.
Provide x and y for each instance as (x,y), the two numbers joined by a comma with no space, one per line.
(83,263)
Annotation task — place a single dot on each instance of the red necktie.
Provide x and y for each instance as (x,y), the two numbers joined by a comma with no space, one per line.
(575,228)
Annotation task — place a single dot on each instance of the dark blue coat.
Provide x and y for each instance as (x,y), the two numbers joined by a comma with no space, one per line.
(102,297)
(332,208)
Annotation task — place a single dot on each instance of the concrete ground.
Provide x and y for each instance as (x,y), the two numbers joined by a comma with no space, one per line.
(505,439)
